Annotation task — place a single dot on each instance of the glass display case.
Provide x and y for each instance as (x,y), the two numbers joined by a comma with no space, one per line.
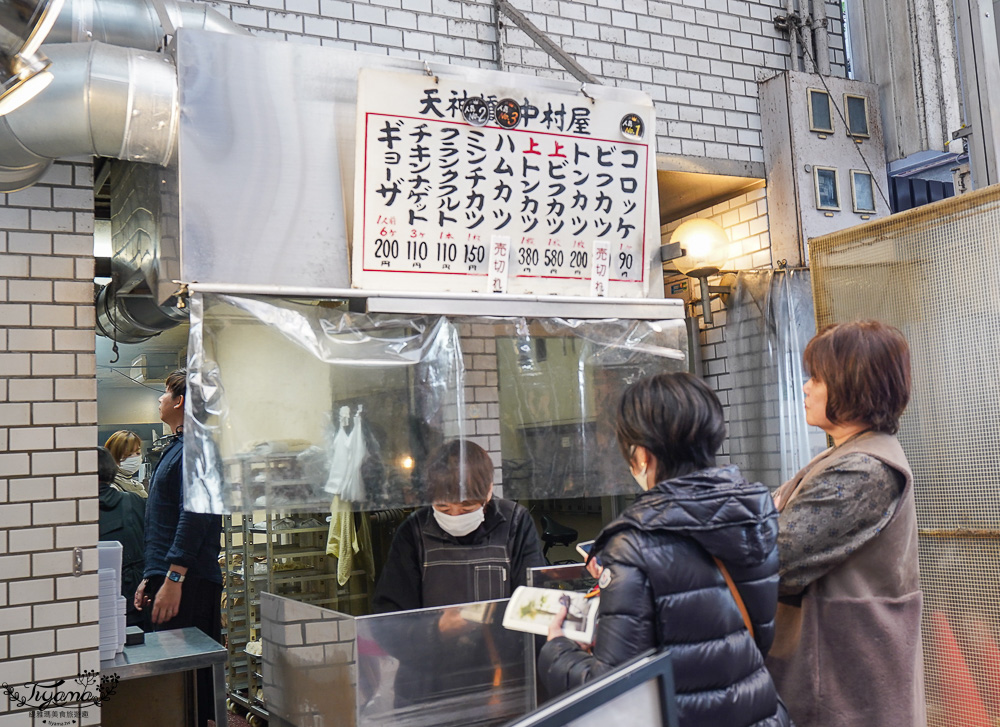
(454,665)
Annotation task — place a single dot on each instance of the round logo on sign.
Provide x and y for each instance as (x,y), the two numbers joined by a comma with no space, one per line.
(508,113)
(633,127)
(476,111)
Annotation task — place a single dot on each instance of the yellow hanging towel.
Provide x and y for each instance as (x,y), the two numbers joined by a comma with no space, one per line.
(342,542)
(345,541)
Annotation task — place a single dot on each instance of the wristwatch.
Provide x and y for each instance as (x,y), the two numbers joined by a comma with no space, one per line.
(174,576)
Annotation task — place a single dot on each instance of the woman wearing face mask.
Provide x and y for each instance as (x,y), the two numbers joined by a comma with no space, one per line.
(126,448)
(663,584)
(468,546)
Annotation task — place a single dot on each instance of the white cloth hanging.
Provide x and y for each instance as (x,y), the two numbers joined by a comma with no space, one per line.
(348,451)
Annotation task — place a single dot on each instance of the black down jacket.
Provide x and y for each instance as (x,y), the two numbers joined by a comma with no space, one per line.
(665,591)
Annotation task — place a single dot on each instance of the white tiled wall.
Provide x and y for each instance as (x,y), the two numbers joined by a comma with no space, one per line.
(699,60)
(48,429)
(482,393)
(744,218)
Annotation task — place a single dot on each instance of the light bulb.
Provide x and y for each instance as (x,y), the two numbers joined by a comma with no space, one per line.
(705,245)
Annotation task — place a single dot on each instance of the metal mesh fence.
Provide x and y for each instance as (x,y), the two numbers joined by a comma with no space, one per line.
(934,273)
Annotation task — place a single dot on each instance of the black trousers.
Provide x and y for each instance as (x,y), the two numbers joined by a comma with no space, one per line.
(201,607)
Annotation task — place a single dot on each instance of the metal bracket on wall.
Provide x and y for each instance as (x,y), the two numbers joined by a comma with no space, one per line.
(544,42)
(671,251)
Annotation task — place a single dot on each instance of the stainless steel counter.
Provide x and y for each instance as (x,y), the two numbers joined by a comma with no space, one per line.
(167,652)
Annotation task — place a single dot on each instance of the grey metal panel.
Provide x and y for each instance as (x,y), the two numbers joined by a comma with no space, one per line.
(782,199)
(266,151)
(261,200)
(534,306)
(792,150)
(451,304)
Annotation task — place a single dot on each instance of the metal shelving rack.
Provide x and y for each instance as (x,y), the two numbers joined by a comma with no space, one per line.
(275,553)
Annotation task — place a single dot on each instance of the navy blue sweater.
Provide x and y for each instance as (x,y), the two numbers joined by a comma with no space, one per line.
(173,535)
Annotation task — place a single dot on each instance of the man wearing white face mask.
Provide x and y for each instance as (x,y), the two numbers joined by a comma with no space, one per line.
(126,448)
(468,546)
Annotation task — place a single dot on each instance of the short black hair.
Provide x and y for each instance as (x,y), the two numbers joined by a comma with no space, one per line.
(676,417)
(107,468)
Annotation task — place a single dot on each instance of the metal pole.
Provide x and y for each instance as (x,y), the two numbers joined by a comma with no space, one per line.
(546,44)
(706,301)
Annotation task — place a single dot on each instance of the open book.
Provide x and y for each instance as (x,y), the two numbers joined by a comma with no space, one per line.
(532,610)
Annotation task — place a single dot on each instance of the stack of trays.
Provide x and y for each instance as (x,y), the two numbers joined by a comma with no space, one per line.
(110,592)
(111,602)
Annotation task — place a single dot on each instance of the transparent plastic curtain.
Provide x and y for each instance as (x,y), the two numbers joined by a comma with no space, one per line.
(560,382)
(769,325)
(293,404)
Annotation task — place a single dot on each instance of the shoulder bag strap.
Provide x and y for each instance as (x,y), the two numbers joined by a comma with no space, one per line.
(736,595)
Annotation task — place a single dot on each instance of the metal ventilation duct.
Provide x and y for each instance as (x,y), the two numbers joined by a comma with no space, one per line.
(105,101)
(114,95)
(134,23)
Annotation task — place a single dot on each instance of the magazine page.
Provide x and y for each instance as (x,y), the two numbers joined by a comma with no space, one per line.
(532,610)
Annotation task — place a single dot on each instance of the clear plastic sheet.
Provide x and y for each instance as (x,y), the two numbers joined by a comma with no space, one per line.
(560,384)
(292,404)
(275,387)
(770,322)
(454,665)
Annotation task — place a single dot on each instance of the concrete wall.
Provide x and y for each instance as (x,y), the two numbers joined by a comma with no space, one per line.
(908,48)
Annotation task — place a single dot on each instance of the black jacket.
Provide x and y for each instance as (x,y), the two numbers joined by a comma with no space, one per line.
(120,517)
(399,585)
(665,591)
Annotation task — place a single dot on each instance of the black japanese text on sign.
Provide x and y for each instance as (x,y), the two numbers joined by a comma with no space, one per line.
(436,189)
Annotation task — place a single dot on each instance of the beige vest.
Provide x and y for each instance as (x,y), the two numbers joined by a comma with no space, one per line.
(850,655)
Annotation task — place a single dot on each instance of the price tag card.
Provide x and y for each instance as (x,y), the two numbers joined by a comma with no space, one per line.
(447,168)
(499,261)
(601,270)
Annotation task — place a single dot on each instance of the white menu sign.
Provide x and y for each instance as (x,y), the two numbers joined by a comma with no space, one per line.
(445,168)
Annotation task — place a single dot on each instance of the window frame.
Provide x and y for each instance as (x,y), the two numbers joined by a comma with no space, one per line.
(812,120)
(836,187)
(847,117)
(855,173)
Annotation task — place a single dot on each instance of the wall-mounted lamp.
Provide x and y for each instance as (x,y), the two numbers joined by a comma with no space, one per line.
(24,24)
(706,250)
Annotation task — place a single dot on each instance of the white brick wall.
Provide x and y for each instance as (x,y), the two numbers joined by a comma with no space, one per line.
(699,60)
(48,429)
(482,392)
(744,218)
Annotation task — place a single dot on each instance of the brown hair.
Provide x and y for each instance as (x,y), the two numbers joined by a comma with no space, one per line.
(866,368)
(445,472)
(677,417)
(177,383)
(122,443)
